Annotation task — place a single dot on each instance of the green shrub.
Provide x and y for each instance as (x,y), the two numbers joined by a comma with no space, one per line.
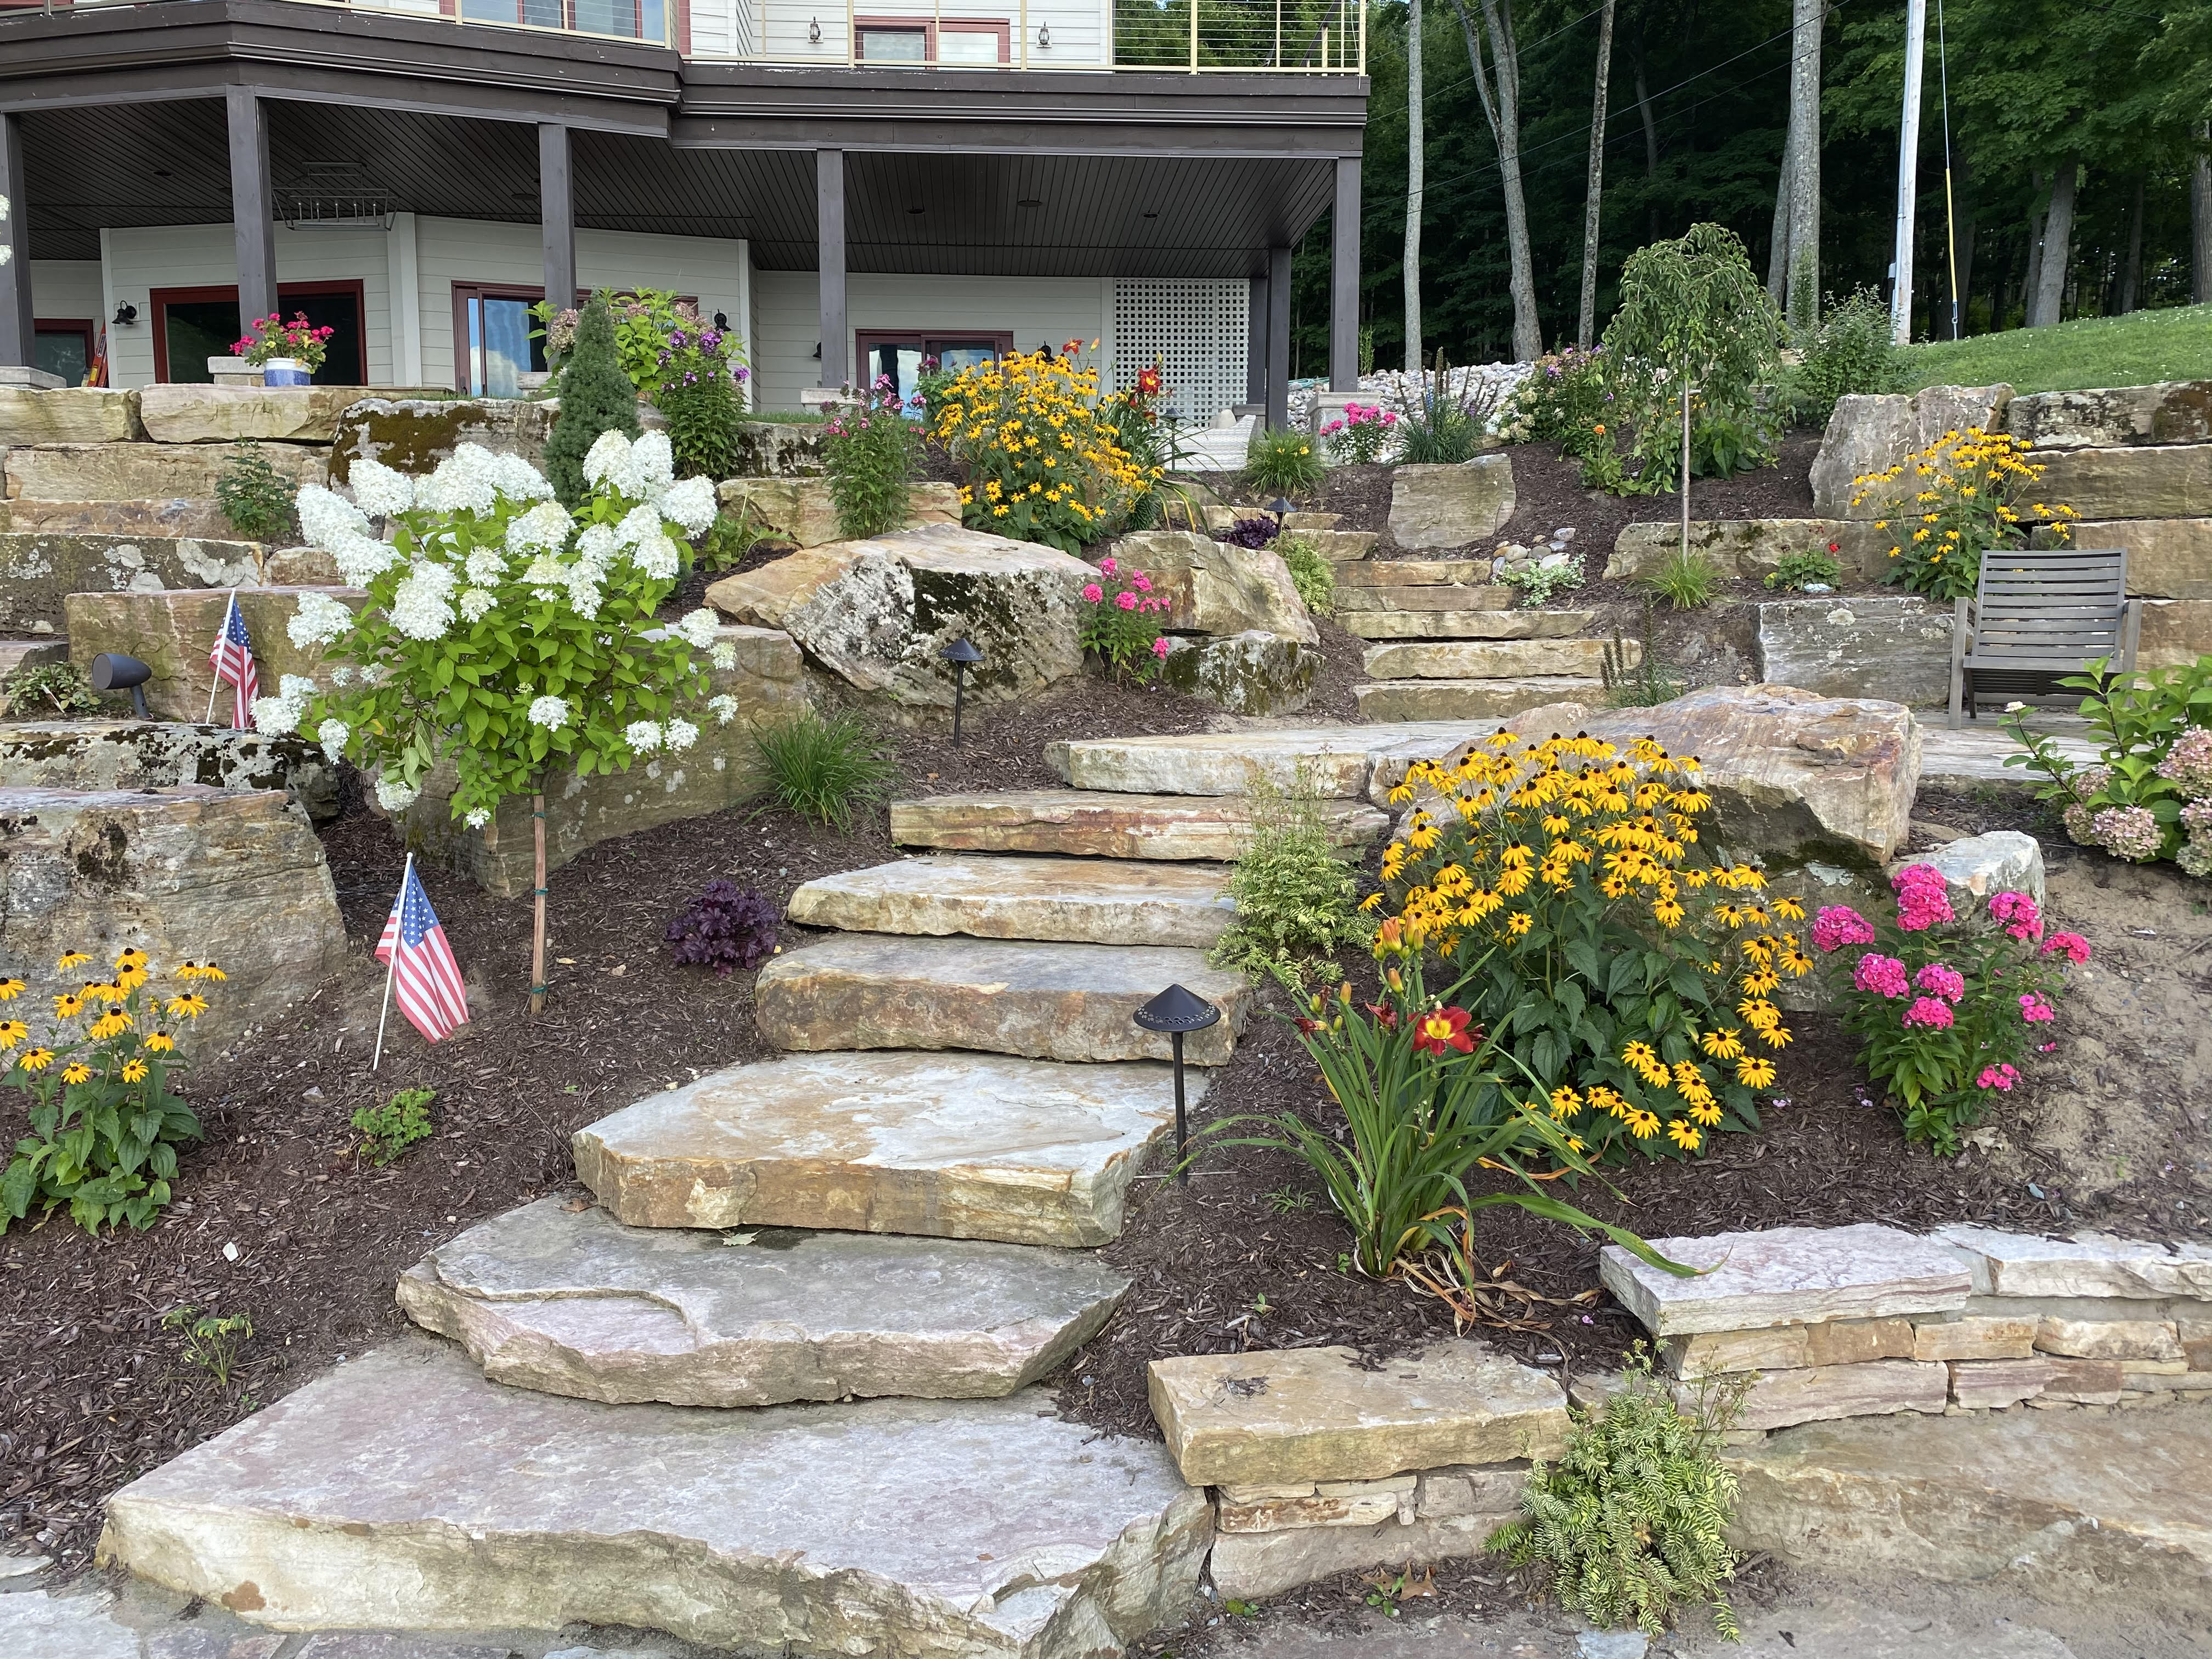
(252,495)
(210,1342)
(1297,902)
(1632,1519)
(1540,584)
(49,689)
(825,767)
(700,399)
(2148,794)
(1851,352)
(730,537)
(596,397)
(872,456)
(1565,401)
(1283,462)
(1686,581)
(1796,572)
(1314,576)
(389,1130)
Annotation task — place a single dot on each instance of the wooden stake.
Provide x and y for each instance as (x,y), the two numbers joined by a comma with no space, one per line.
(215,682)
(538,929)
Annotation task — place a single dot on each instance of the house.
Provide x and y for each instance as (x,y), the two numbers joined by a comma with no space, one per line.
(849,191)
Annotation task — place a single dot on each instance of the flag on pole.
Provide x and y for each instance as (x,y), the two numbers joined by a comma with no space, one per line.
(232,661)
(425,978)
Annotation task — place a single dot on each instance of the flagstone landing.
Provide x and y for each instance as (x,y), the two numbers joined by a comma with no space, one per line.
(1083,901)
(1097,824)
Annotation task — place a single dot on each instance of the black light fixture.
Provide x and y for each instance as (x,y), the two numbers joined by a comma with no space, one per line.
(1176,1011)
(113,672)
(1030,202)
(1281,507)
(962,654)
(125,314)
(814,31)
(722,322)
(1044,35)
(913,210)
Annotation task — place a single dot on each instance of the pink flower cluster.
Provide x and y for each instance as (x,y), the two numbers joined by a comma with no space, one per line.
(2000,1076)
(2019,914)
(1924,897)
(2189,763)
(2075,947)
(1931,1011)
(2128,832)
(2034,1010)
(1884,976)
(1838,925)
(1947,983)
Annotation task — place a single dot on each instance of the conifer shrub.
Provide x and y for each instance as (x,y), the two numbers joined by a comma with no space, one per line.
(596,397)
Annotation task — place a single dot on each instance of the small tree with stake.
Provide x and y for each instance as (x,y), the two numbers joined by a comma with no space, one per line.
(503,632)
(596,397)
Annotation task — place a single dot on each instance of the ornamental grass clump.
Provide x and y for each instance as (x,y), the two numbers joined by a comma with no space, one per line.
(1631,980)
(104,1124)
(1954,501)
(504,632)
(825,767)
(2148,794)
(1949,1007)
(1121,618)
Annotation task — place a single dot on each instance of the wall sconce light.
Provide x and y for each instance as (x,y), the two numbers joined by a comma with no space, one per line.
(721,322)
(125,315)
(1044,35)
(814,31)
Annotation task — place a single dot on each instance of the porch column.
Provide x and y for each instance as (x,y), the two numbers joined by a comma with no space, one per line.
(557,215)
(830,261)
(251,210)
(1256,349)
(1278,338)
(1343,280)
(16,342)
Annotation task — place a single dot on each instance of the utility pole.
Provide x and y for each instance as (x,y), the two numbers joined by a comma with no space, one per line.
(1908,171)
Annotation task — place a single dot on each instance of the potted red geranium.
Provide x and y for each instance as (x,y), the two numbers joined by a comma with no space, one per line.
(287,354)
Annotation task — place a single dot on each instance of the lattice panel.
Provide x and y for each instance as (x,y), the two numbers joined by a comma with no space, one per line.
(1196,332)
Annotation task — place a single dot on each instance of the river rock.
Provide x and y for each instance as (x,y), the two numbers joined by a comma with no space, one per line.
(1090,823)
(173,631)
(131,754)
(2166,482)
(413,435)
(185,413)
(189,873)
(877,614)
(778,449)
(40,569)
(1896,648)
(67,414)
(1218,587)
(1998,861)
(137,472)
(1049,1001)
(800,507)
(1786,1276)
(1085,901)
(2169,412)
(2167,558)
(1249,673)
(1318,1414)
(1451,506)
(2087,1264)
(571,1302)
(960,1146)
(720,771)
(404,1491)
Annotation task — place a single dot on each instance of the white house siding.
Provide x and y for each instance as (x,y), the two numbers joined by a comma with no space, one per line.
(67,290)
(1079,33)
(1036,310)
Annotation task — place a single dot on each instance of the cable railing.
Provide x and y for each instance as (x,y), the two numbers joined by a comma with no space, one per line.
(1194,37)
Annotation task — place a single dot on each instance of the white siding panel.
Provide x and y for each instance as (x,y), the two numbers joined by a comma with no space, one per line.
(67,290)
(1079,32)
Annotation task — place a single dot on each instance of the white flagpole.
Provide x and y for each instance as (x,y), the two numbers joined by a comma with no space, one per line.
(391,968)
(216,684)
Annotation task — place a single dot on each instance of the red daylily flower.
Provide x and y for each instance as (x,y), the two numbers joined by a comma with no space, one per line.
(1444,1027)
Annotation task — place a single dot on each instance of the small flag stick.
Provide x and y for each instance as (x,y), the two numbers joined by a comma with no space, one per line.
(392,970)
(214,683)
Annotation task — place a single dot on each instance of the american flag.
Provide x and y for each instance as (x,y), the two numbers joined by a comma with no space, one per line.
(232,661)
(425,978)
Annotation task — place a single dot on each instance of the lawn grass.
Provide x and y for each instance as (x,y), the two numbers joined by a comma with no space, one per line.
(2144,346)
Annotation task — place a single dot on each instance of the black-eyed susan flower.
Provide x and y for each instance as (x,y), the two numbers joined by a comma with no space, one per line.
(71,959)
(77,1071)
(12,1031)
(191,1005)
(35,1059)
(1684,1135)
(11,988)
(1755,1073)
(160,1043)
(134,1071)
(113,1023)
(70,1004)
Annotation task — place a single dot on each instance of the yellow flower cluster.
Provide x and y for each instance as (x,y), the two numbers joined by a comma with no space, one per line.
(113,1010)
(1952,501)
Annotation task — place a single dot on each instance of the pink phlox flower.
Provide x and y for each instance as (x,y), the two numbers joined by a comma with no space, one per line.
(2000,1076)
(1885,975)
(1126,600)
(1924,897)
(2075,947)
(2020,911)
(1141,582)
(1931,1011)
(2034,1010)
(1947,983)
(1838,925)
(1160,648)
(1107,565)
(1092,593)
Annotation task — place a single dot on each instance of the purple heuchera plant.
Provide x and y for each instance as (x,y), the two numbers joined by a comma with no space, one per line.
(725,927)
(1248,532)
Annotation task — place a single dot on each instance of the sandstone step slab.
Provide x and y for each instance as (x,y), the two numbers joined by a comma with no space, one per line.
(1463,624)
(171,633)
(39,569)
(185,413)
(2175,633)
(137,472)
(1092,824)
(2087,1264)
(1975,754)
(175,516)
(1341,548)
(987,1146)
(1046,1001)
(2169,412)
(569,1300)
(132,754)
(2151,481)
(1425,596)
(1335,762)
(1491,659)
(1787,1276)
(1416,573)
(2062,1505)
(414,434)
(67,414)
(1083,900)
(1477,700)
(1300,1414)
(405,1492)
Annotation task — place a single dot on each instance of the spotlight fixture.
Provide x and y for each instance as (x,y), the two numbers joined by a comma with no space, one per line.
(1044,35)
(113,672)
(1176,1011)
(125,314)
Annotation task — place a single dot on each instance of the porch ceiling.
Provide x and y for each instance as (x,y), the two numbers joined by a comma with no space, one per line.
(166,163)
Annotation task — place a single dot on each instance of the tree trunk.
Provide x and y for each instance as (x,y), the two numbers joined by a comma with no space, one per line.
(2200,219)
(1651,149)
(1804,297)
(1777,256)
(1414,141)
(537,921)
(2058,247)
(1586,317)
(2131,267)
(1501,107)
(2033,280)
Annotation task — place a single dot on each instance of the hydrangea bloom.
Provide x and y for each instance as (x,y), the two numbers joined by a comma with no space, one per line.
(2018,912)
(2196,817)
(394,796)
(467,481)
(551,712)
(2128,832)
(2075,947)
(282,713)
(724,708)
(516,479)
(652,466)
(2034,1010)
(690,502)
(476,603)
(323,518)
(698,629)
(1931,1011)
(642,735)
(333,735)
(485,567)
(1939,980)
(544,529)
(637,524)
(1838,925)
(421,606)
(477,818)
(600,544)
(722,654)
(608,462)
(681,734)
(657,558)
(378,490)
(317,620)
(583,579)
(2189,763)
(1885,975)
(2078,829)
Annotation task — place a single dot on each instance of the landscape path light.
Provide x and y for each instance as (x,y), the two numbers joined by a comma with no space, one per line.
(1176,1011)
(113,672)
(1281,507)
(962,655)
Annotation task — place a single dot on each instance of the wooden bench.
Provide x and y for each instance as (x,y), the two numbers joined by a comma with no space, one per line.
(2037,617)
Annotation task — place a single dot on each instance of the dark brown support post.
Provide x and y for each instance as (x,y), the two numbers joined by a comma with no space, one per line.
(1255,351)
(1343,280)
(17,343)
(557,214)
(251,211)
(1278,338)
(829,260)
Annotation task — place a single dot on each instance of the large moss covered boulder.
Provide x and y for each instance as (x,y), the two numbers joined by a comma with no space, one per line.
(38,570)
(413,435)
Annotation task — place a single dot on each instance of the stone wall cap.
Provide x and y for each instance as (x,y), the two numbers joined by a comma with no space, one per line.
(2088,1264)
(1788,1276)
